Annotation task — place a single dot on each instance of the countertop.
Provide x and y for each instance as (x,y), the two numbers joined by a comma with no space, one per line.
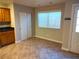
(4,29)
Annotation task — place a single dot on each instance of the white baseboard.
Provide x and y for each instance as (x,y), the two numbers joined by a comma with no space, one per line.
(21,40)
(49,39)
(18,41)
(65,49)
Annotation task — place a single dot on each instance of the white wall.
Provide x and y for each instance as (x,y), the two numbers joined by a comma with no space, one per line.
(49,33)
(12,15)
(4,5)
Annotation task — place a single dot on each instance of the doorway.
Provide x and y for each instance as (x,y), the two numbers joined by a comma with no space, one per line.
(74,47)
(25,25)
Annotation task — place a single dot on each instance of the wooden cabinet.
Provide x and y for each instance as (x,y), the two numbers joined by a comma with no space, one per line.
(5,15)
(7,38)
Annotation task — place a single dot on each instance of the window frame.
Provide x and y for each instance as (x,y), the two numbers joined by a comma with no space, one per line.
(48,20)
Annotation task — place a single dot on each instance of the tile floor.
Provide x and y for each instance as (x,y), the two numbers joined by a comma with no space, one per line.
(35,48)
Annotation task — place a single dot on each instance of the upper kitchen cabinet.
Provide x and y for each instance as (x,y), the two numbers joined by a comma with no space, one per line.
(5,15)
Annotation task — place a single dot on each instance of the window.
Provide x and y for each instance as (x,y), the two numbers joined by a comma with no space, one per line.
(49,20)
(77,24)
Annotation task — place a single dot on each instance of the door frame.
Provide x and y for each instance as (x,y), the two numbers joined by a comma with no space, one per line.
(71,26)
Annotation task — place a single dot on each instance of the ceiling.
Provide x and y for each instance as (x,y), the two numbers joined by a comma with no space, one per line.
(5,1)
(36,3)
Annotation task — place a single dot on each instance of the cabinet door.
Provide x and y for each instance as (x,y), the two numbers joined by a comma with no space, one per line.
(7,38)
(3,39)
(3,14)
(7,15)
(11,38)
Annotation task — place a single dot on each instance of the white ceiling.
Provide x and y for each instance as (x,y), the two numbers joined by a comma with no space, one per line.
(36,3)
